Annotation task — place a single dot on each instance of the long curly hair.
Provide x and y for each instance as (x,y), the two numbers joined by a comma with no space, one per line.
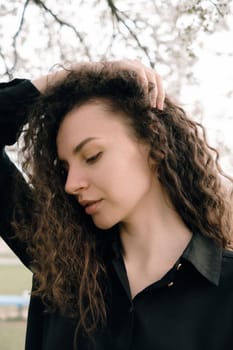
(67,249)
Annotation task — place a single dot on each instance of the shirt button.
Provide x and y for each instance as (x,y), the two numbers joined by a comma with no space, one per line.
(131,309)
(170,284)
(178,267)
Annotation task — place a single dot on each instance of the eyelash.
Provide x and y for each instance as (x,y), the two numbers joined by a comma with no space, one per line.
(93,159)
(90,160)
(63,172)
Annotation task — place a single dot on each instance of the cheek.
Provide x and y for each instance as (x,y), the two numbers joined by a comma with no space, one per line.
(128,180)
(122,175)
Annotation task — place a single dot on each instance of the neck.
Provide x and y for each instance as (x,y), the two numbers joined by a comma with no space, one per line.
(156,231)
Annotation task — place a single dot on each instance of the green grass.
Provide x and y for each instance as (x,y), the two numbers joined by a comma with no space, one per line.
(12,335)
(14,279)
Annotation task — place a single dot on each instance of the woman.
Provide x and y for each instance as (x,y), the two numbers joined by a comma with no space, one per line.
(125,221)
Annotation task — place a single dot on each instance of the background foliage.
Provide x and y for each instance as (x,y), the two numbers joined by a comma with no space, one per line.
(169,35)
(36,34)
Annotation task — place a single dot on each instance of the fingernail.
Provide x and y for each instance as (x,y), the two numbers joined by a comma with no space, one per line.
(160,106)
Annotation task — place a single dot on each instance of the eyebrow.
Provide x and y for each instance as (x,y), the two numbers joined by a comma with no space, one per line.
(80,146)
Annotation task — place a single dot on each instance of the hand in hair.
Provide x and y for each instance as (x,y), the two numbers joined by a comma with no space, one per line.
(148,77)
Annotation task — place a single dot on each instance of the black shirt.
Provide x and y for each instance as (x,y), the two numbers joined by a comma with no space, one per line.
(190,308)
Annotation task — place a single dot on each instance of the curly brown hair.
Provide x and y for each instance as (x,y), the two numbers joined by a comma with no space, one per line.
(67,249)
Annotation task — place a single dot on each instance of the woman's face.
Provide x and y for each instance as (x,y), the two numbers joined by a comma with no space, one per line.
(105,164)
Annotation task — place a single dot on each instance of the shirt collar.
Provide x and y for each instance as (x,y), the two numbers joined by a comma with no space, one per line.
(202,252)
(206,256)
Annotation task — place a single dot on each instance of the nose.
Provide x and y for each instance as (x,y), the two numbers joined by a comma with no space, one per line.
(75,182)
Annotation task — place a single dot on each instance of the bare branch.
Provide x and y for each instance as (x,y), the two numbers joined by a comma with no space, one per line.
(21,21)
(120,17)
(17,34)
(217,8)
(64,23)
(108,48)
(7,70)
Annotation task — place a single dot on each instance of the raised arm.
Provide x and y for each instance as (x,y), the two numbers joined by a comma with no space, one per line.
(15,96)
(148,77)
(15,99)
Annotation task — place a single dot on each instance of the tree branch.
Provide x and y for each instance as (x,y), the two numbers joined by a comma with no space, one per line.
(7,70)
(64,23)
(119,17)
(217,8)
(17,34)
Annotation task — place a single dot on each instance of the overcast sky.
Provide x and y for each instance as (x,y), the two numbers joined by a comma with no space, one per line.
(215,76)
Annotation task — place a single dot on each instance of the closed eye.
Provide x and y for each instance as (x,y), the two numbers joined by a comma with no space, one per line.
(62,168)
(94,158)
(63,171)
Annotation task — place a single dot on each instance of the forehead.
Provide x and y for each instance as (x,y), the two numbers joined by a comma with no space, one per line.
(93,115)
(92,119)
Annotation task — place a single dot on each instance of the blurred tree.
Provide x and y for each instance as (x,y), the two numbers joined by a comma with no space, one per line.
(35,34)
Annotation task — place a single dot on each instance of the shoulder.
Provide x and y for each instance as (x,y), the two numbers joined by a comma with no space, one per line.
(227,267)
(228,255)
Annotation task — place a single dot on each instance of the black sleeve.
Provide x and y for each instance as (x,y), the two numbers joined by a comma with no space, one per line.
(14,98)
(10,177)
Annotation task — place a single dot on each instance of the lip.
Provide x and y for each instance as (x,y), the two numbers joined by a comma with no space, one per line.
(85,203)
(92,208)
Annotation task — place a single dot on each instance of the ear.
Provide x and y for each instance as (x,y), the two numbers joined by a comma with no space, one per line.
(152,163)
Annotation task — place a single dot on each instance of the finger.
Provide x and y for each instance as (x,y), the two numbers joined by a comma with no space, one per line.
(148,79)
(161,92)
(152,87)
(142,78)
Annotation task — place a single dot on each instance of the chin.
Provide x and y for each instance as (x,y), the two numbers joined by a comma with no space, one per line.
(104,225)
